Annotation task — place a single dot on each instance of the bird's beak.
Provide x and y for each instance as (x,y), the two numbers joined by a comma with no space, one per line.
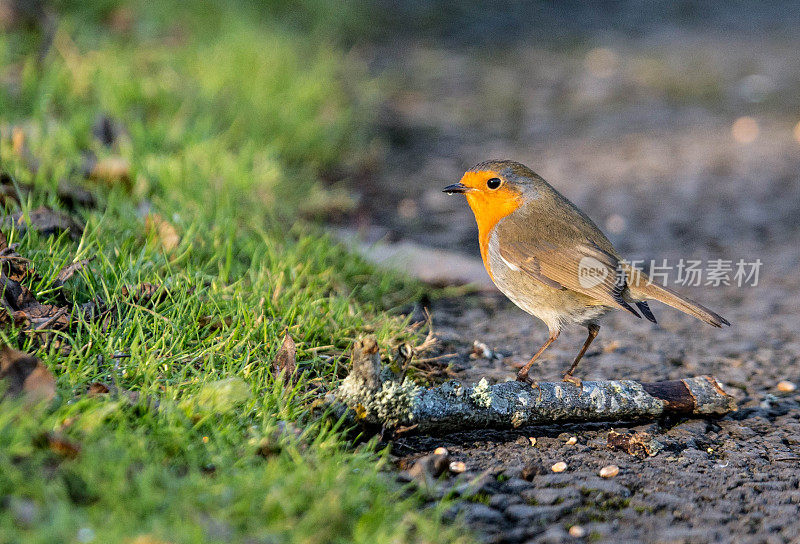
(455,188)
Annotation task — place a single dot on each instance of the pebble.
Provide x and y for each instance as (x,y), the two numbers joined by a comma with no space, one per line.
(561,466)
(572,441)
(458,467)
(441,451)
(576,531)
(533,440)
(785,386)
(609,471)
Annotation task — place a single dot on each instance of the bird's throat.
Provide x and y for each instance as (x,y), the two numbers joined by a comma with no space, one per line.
(489,210)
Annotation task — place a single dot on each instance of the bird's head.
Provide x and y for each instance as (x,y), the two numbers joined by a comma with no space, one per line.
(495,189)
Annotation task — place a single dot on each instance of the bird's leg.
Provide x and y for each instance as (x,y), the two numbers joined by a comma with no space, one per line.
(522,375)
(568,377)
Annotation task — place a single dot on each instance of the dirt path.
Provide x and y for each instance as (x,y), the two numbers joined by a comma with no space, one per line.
(642,134)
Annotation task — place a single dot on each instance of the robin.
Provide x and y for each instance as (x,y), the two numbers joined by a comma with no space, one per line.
(551,260)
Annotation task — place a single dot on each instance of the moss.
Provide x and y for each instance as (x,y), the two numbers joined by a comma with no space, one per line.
(392,404)
(482,394)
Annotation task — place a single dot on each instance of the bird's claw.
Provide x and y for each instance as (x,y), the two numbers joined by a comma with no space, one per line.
(573,380)
(525,378)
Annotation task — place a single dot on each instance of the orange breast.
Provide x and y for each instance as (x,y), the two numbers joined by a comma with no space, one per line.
(489,209)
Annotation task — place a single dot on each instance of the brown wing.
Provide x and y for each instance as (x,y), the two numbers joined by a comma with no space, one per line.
(563,258)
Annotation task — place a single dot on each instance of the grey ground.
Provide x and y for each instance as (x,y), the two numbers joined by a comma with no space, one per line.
(641,140)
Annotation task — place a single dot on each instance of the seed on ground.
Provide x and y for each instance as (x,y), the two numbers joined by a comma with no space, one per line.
(577,531)
(561,466)
(458,467)
(572,440)
(609,471)
(440,451)
(785,386)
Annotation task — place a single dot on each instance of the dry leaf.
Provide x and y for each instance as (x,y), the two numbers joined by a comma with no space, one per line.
(162,230)
(60,444)
(24,374)
(286,358)
(98,389)
(145,293)
(74,196)
(47,221)
(68,271)
(19,304)
(214,324)
(71,195)
(639,444)
(110,170)
(146,539)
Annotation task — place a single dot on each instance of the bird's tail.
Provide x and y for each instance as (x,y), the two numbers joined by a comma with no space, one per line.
(641,288)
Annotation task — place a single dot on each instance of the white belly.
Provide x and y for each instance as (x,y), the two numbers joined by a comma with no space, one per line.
(555,307)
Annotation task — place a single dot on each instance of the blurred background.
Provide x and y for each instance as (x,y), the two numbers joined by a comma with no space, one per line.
(669,123)
(663,120)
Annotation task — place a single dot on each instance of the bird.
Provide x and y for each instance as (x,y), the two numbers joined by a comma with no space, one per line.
(552,261)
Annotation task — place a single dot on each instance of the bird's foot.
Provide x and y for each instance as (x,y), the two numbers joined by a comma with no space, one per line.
(525,378)
(569,378)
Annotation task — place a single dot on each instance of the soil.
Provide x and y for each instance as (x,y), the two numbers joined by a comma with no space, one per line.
(640,130)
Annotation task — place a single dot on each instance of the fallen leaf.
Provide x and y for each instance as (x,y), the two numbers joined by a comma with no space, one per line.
(18,141)
(98,389)
(68,271)
(74,196)
(286,358)
(18,305)
(145,293)
(110,170)
(47,221)
(60,444)
(71,195)
(214,324)
(162,230)
(146,539)
(639,444)
(25,374)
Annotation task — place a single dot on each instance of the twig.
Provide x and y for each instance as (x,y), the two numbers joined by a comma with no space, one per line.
(378,397)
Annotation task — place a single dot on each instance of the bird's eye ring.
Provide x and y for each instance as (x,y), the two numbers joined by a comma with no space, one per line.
(494,183)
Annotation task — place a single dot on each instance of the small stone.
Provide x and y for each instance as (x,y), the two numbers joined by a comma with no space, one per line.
(533,440)
(609,471)
(458,467)
(561,466)
(572,440)
(441,451)
(576,531)
(785,386)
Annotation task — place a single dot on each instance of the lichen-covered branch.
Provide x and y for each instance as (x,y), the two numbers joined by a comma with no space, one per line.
(377,396)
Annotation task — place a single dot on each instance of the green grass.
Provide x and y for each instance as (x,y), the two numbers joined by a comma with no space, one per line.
(232,117)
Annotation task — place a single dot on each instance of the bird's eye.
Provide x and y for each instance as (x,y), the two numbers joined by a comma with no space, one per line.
(494,183)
